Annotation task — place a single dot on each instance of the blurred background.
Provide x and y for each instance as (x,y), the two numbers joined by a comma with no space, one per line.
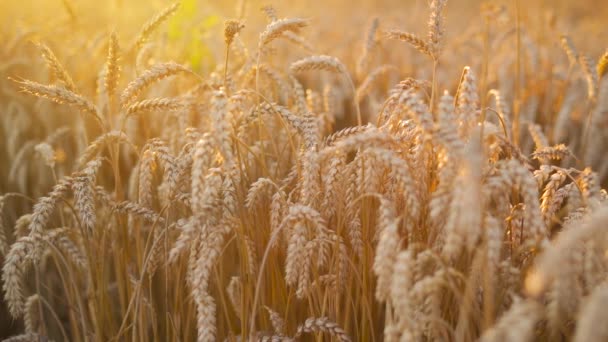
(196,29)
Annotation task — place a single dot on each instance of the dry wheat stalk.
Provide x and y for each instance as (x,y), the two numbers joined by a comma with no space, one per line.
(106,139)
(234,292)
(270,12)
(540,140)
(327,63)
(447,132)
(32,314)
(366,86)
(552,260)
(387,250)
(296,254)
(345,133)
(590,75)
(13,274)
(152,24)
(464,222)
(61,95)
(257,190)
(370,43)
(188,228)
(277,27)
(412,39)
(201,163)
(517,324)
(587,328)
(134,209)
(147,78)
(557,152)
(221,117)
(323,324)
(278,324)
(231,29)
(56,68)
(206,318)
(321,62)
(112,68)
(251,255)
(70,249)
(84,201)
(159,104)
(47,153)
(147,165)
(436,26)
(570,50)
(298,40)
(44,208)
(467,101)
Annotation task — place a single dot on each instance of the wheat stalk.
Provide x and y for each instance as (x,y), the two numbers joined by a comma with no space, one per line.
(56,68)
(61,95)
(153,24)
(147,78)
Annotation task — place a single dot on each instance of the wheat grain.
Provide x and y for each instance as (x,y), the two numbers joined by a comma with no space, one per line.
(517,324)
(160,104)
(366,86)
(106,139)
(369,44)
(147,78)
(278,324)
(277,27)
(257,190)
(467,100)
(551,261)
(587,329)
(112,68)
(436,27)
(321,62)
(540,140)
(56,68)
(570,50)
(206,318)
(13,274)
(590,75)
(47,153)
(61,95)
(296,254)
(387,250)
(412,39)
(154,23)
(31,314)
(134,209)
(231,29)
(270,12)
(325,325)
(557,152)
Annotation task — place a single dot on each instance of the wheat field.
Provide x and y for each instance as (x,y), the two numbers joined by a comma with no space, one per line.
(304,171)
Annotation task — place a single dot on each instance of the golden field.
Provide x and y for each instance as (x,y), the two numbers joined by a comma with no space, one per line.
(303,171)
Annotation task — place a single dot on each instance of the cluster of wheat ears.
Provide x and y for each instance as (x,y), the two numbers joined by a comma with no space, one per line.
(291,196)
